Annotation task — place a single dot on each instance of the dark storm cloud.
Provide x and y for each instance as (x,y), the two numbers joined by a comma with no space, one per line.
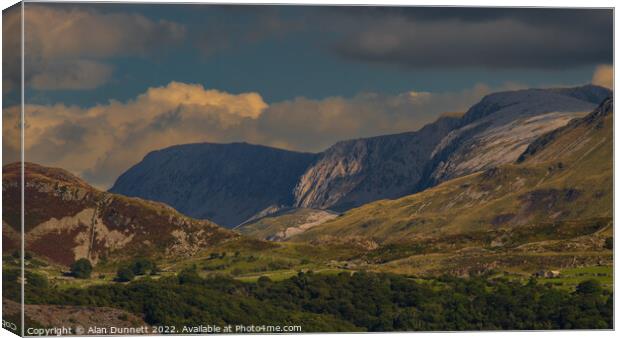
(233,26)
(471,37)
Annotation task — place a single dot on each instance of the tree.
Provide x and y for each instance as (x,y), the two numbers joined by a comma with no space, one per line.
(590,286)
(155,270)
(124,274)
(609,243)
(81,268)
(141,266)
(263,280)
(189,276)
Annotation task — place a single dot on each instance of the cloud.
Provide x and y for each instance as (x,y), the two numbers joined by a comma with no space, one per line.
(11,52)
(66,47)
(76,75)
(313,125)
(56,32)
(100,142)
(532,38)
(219,33)
(604,76)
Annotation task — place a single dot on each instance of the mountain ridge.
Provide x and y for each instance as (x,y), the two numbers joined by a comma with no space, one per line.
(476,141)
(227,183)
(67,219)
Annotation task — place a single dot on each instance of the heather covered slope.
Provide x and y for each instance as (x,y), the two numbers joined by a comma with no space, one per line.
(226,183)
(559,199)
(67,219)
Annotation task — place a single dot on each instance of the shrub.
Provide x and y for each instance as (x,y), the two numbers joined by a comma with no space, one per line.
(36,280)
(263,280)
(81,268)
(155,270)
(124,274)
(590,286)
(189,276)
(141,266)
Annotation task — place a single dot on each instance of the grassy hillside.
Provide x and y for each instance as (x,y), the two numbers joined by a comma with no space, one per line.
(286,224)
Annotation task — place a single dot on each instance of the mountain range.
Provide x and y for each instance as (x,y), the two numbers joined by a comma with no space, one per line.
(551,191)
(236,183)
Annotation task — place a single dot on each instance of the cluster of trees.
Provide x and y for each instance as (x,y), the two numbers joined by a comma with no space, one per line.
(217,255)
(137,267)
(82,268)
(349,302)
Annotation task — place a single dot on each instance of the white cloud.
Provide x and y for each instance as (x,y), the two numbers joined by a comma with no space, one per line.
(604,76)
(101,141)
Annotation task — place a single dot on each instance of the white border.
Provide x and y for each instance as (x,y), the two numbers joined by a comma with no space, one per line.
(465,3)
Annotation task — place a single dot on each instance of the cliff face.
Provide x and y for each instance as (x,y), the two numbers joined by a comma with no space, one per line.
(225,183)
(355,172)
(66,219)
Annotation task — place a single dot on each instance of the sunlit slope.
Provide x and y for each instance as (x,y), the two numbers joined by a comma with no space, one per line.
(562,188)
(66,219)
(286,224)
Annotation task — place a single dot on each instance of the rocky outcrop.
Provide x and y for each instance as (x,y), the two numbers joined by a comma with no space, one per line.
(500,127)
(284,224)
(355,172)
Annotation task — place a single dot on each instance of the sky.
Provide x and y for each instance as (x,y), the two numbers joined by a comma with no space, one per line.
(108,83)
